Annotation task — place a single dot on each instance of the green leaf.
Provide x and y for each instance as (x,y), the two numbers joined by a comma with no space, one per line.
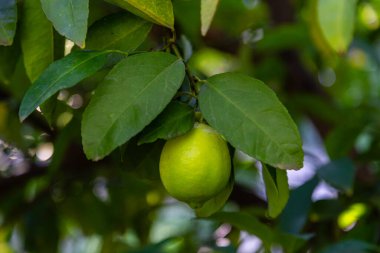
(8,21)
(276,188)
(135,91)
(215,204)
(336,19)
(121,31)
(208,9)
(252,119)
(156,11)
(36,39)
(175,120)
(293,218)
(248,223)
(69,18)
(61,74)
(339,174)
(350,246)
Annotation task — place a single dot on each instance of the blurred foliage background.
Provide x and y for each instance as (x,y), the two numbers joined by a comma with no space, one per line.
(52,199)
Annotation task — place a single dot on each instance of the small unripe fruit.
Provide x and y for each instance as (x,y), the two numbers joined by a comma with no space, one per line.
(196,166)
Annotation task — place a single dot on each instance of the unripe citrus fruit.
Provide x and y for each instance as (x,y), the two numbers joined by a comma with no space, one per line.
(196,166)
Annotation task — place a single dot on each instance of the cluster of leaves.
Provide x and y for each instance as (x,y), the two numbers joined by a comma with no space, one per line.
(137,92)
(138,88)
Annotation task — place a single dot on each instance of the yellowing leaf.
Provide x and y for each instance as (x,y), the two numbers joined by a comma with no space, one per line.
(208,9)
(156,11)
(336,19)
(276,188)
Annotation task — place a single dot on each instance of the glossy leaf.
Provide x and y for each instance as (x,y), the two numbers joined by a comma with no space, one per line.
(176,119)
(336,19)
(277,189)
(208,9)
(8,21)
(257,122)
(69,18)
(339,174)
(131,96)
(156,11)
(36,39)
(59,75)
(120,31)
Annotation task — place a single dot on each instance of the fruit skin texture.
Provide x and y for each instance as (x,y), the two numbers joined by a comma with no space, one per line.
(196,166)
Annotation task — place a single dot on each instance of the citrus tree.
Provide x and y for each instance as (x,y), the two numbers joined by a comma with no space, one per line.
(189,126)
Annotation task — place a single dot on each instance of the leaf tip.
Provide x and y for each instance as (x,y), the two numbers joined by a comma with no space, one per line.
(204,31)
(91,156)
(81,44)
(22,119)
(288,166)
(22,116)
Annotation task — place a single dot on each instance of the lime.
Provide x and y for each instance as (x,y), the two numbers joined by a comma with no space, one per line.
(196,166)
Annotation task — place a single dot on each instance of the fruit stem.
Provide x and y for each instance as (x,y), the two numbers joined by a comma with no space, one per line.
(199,117)
(192,78)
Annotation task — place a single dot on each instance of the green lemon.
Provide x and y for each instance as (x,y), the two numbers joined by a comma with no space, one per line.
(196,166)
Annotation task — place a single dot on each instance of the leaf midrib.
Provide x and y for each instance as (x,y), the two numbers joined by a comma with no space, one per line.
(59,78)
(124,35)
(150,14)
(247,116)
(132,101)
